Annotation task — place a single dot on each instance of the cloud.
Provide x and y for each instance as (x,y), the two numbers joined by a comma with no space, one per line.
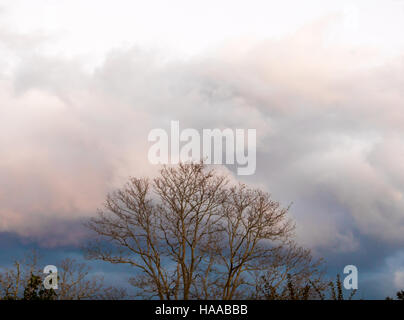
(329,126)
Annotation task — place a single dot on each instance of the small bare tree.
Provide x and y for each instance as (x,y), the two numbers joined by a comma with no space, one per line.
(14,280)
(292,274)
(192,235)
(74,281)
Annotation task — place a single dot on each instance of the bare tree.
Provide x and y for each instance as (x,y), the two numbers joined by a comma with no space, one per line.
(13,280)
(193,235)
(335,290)
(75,283)
(292,274)
(74,280)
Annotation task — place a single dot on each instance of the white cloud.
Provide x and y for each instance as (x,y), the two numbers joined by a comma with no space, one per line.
(328,118)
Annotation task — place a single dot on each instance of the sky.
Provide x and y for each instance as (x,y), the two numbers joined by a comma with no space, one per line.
(83,82)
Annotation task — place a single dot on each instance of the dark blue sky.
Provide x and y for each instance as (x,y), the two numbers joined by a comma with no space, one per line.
(375,281)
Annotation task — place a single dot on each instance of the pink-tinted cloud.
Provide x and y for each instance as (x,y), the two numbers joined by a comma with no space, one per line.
(329,121)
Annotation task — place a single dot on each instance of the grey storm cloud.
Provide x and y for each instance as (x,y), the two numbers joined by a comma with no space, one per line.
(329,120)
